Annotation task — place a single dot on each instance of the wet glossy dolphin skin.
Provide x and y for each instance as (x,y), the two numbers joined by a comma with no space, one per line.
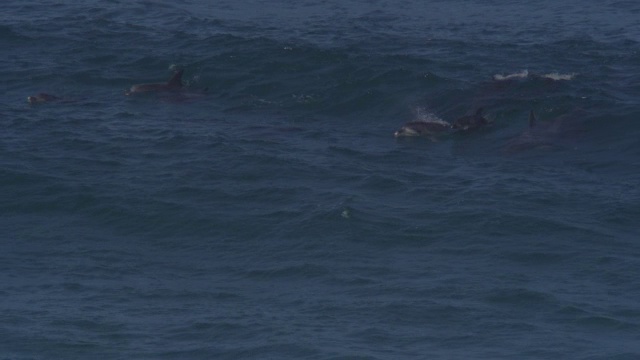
(471,121)
(42,98)
(174,83)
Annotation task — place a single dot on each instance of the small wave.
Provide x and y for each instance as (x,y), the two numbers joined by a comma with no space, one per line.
(520,75)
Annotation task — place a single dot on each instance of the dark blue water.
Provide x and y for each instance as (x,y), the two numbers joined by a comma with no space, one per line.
(267,212)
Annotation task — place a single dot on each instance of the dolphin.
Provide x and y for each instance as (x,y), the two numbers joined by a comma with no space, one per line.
(174,83)
(546,135)
(42,98)
(471,121)
(422,128)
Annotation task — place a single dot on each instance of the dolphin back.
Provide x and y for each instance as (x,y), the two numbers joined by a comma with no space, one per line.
(176,79)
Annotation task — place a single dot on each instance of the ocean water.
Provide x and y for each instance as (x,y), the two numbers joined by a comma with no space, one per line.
(268,212)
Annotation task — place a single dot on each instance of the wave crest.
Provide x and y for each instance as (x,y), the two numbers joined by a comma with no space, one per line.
(524,74)
(520,75)
(557,76)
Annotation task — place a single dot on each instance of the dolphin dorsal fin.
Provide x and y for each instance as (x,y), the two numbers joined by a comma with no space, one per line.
(176,79)
(532,119)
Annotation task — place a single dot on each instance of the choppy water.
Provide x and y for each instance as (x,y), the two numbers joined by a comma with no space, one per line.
(274,216)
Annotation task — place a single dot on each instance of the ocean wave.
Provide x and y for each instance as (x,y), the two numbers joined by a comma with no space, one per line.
(8,34)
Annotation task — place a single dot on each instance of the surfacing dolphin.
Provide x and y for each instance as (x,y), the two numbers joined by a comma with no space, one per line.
(471,121)
(42,98)
(547,135)
(174,84)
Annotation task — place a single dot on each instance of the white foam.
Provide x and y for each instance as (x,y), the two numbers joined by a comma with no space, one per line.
(557,76)
(520,75)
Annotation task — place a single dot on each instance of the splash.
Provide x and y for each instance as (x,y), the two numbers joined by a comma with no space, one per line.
(422,114)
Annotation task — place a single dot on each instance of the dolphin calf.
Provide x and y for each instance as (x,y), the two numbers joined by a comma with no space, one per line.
(423,128)
(174,83)
(42,98)
(471,121)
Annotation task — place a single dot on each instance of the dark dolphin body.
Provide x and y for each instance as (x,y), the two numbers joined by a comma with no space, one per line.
(42,98)
(174,83)
(471,122)
(546,135)
(422,128)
